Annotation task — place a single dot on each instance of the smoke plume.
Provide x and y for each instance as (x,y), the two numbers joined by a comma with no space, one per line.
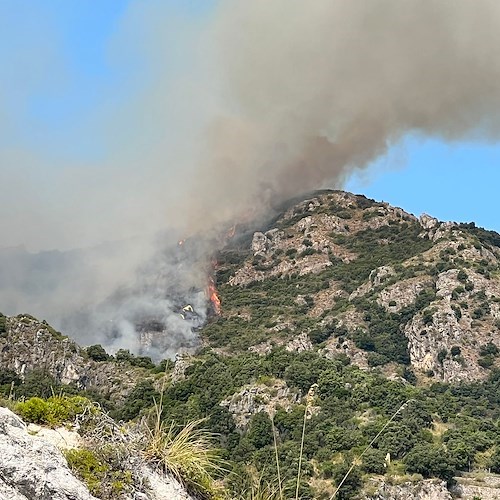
(247,105)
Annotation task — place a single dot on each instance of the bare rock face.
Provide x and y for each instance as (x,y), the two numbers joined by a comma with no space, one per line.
(422,490)
(429,344)
(460,321)
(161,487)
(300,343)
(257,398)
(485,488)
(376,278)
(334,347)
(468,488)
(259,244)
(30,345)
(31,467)
(428,222)
(403,293)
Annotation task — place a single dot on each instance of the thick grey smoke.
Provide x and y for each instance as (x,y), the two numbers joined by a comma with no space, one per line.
(248,105)
(316,89)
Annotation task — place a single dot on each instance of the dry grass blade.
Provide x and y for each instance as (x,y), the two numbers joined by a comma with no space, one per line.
(309,403)
(280,488)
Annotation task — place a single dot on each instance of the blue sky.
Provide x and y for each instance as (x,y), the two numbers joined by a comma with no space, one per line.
(457,181)
(61,68)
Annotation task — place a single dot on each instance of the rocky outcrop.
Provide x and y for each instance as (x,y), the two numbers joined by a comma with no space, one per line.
(432,489)
(31,467)
(377,278)
(29,344)
(258,398)
(468,487)
(335,346)
(446,337)
(300,343)
(403,293)
(485,487)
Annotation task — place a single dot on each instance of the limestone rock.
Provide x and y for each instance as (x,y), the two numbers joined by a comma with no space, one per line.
(32,345)
(485,487)
(300,343)
(432,489)
(32,468)
(259,244)
(403,293)
(254,399)
(428,222)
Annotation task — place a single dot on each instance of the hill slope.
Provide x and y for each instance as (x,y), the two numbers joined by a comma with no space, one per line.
(340,309)
(367,280)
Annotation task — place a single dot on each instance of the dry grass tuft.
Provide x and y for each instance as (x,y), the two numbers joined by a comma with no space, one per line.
(186,453)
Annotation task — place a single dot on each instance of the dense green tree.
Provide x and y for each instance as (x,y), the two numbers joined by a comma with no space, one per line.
(374,461)
(430,461)
(140,398)
(97,353)
(260,431)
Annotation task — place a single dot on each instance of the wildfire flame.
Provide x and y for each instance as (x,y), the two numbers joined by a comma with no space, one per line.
(181,242)
(214,298)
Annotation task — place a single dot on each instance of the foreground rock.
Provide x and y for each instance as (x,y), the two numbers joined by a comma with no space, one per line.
(31,467)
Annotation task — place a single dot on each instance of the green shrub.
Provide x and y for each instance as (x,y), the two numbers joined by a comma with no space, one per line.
(430,461)
(374,461)
(88,467)
(34,410)
(442,355)
(489,349)
(376,359)
(8,376)
(97,353)
(486,361)
(260,430)
(307,251)
(52,411)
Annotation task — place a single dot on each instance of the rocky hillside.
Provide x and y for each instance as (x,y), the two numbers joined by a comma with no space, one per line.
(339,314)
(352,276)
(29,347)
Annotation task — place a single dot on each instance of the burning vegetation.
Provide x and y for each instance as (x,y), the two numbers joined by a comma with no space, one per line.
(213,296)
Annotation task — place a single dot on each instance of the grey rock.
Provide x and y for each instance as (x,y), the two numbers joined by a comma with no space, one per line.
(259,243)
(428,222)
(32,468)
(423,490)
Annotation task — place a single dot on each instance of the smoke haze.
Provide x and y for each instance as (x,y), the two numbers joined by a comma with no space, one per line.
(243,107)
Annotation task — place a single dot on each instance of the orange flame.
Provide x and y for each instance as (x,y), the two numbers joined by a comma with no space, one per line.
(214,298)
(181,242)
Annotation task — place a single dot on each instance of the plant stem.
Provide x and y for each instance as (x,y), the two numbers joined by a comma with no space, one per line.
(301,452)
(277,458)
